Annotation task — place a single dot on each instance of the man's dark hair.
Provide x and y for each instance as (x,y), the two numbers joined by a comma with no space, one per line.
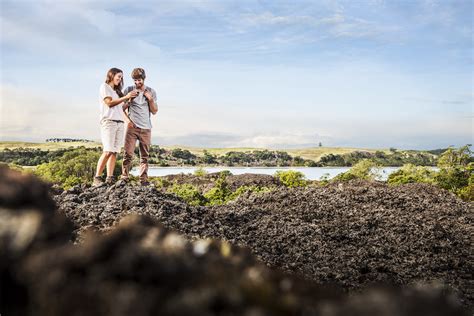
(138,73)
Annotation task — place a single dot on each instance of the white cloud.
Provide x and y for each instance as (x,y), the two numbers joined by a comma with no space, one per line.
(336,18)
(67,45)
(271,19)
(72,32)
(302,29)
(31,114)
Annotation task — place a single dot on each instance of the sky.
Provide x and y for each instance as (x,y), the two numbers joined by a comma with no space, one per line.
(274,74)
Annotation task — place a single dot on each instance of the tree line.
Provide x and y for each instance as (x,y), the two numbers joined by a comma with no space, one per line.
(69,167)
(256,158)
(68,140)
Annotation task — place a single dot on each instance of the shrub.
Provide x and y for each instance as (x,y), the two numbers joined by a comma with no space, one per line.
(225,173)
(467,193)
(199,172)
(76,166)
(160,182)
(456,173)
(410,173)
(365,169)
(291,178)
(455,169)
(188,192)
(219,193)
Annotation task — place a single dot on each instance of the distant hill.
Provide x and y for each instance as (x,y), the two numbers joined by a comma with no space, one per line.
(48,145)
(67,140)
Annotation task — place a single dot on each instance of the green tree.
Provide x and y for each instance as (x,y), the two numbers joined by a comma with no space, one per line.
(182,154)
(455,173)
(298,161)
(76,166)
(209,158)
(456,168)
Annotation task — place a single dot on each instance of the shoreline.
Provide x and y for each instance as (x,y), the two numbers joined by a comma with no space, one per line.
(263,167)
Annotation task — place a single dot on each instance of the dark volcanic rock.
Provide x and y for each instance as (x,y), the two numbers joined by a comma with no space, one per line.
(207,181)
(359,233)
(29,222)
(354,234)
(139,267)
(250,179)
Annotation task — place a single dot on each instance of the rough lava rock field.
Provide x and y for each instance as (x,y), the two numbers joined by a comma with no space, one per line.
(303,251)
(353,234)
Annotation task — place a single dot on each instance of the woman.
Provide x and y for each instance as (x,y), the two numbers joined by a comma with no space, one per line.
(111,123)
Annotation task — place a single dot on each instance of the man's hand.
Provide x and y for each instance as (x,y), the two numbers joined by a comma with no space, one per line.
(151,101)
(148,95)
(131,125)
(132,94)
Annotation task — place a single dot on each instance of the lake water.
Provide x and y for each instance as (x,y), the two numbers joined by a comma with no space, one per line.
(311,173)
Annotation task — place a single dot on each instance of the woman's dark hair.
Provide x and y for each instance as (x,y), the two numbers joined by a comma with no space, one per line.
(110,77)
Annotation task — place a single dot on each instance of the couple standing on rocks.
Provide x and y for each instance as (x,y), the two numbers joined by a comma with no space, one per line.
(133,105)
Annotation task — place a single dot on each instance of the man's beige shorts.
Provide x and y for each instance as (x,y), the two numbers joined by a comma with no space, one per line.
(112,134)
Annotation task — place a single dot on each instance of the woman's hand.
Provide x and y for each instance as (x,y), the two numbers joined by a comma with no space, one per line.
(132,94)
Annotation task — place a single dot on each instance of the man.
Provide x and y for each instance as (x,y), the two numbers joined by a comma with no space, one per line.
(139,126)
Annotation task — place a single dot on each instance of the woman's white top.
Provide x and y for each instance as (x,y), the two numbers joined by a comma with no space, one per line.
(106,112)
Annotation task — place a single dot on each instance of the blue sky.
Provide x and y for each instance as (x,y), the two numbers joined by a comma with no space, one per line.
(246,73)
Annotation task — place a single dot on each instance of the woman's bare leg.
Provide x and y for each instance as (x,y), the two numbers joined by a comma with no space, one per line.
(102,162)
(111,164)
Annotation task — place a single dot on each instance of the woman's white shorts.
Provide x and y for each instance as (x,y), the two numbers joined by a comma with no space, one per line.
(112,134)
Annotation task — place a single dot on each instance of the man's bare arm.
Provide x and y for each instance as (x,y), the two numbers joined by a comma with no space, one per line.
(151,102)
